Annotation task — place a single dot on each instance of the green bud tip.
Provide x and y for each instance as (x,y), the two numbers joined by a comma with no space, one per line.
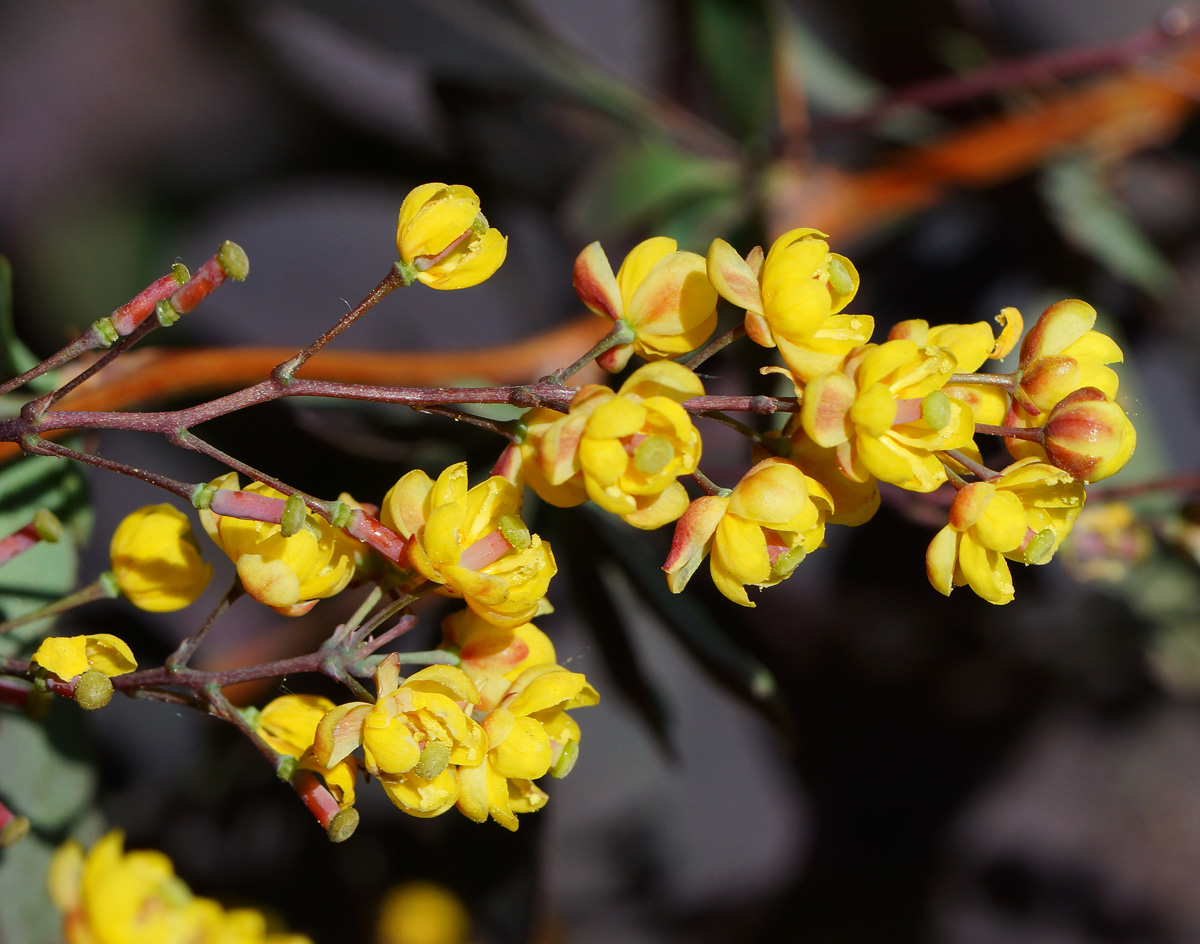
(166,313)
(840,279)
(788,561)
(294,513)
(566,760)
(47,526)
(109,584)
(14,831)
(106,334)
(181,273)
(93,690)
(653,454)
(234,261)
(433,760)
(1040,548)
(936,410)
(514,531)
(342,826)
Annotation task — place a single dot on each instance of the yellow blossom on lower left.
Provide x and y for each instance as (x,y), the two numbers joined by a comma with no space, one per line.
(110,896)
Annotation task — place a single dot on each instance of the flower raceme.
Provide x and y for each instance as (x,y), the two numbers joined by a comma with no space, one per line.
(156,560)
(1023,515)
(289,574)
(793,298)
(444,240)
(663,297)
(756,535)
(624,450)
(110,896)
(472,541)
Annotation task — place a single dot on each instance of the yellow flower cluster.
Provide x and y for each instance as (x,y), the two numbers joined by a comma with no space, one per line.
(475,735)
(110,896)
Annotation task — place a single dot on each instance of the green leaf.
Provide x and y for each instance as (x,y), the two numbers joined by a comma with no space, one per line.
(26,914)
(45,774)
(733,42)
(1096,222)
(15,357)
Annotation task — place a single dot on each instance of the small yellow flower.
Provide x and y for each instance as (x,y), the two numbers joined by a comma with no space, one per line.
(854,503)
(886,415)
(422,913)
(756,535)
(493,656)
(156,560)
(793,298)
(473,542)
(288,574)
(663,296)
(1023,515)
(443,239)
(528,734)
(289,725)
(70,656)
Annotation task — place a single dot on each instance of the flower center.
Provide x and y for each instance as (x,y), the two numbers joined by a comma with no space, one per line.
(487,550)
(653,454)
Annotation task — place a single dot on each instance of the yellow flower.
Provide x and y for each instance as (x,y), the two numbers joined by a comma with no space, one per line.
(111,896)
(757,534)
(793,299)
(549,455)
(289,725)
(661,295)
(1023,515)
(414,736)
(156,560)
(422,913)
(473,542)
(288,574)
(887,416)
(854,503)
(493,656)
(71,656)
(443,239)
(528,735)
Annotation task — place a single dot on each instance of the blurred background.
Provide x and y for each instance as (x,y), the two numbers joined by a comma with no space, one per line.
(855,760)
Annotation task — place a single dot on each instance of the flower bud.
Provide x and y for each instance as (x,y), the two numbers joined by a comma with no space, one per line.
(1089,436)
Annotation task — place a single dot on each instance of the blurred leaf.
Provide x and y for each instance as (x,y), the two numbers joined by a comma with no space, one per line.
(641,185)
(1097,223)
(691,623)
(829,82)
(27,917)
(45,775)
(585,563)
(15,357)
(733,43)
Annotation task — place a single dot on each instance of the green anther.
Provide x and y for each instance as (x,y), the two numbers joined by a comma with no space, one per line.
(181,273)
(47,526)
(1040,548)
(433,760)
(342,826)
(288,766)
(165,312)
(108,583)
(787,562)
(294,513)
(479,224)
(514,531)
(233,261)
(936,410)
(840,279)
(106,334)
(339,514)
(202,496)
(653,454)
(566,760)
(93,690)
(407,271)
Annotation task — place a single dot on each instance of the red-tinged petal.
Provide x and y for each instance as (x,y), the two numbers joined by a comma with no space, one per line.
(826,406)
(595,283)
(1060,325)
(692,539)
(758,330)
(732,277)
(637,265)
(970,504)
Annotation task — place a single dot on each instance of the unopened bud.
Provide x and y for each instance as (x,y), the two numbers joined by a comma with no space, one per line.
(93,690)
(1088,436)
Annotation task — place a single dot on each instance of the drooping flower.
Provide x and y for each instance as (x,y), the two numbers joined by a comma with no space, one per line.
(110,896)
(854,503)
(156,559)
(472,542)
(793,299)
(755,535)
(288,574)
(289,725)
(444,240)
(886,415)
(68,657)
(493,656)
(1023,515)
(661,295)
(528,734)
